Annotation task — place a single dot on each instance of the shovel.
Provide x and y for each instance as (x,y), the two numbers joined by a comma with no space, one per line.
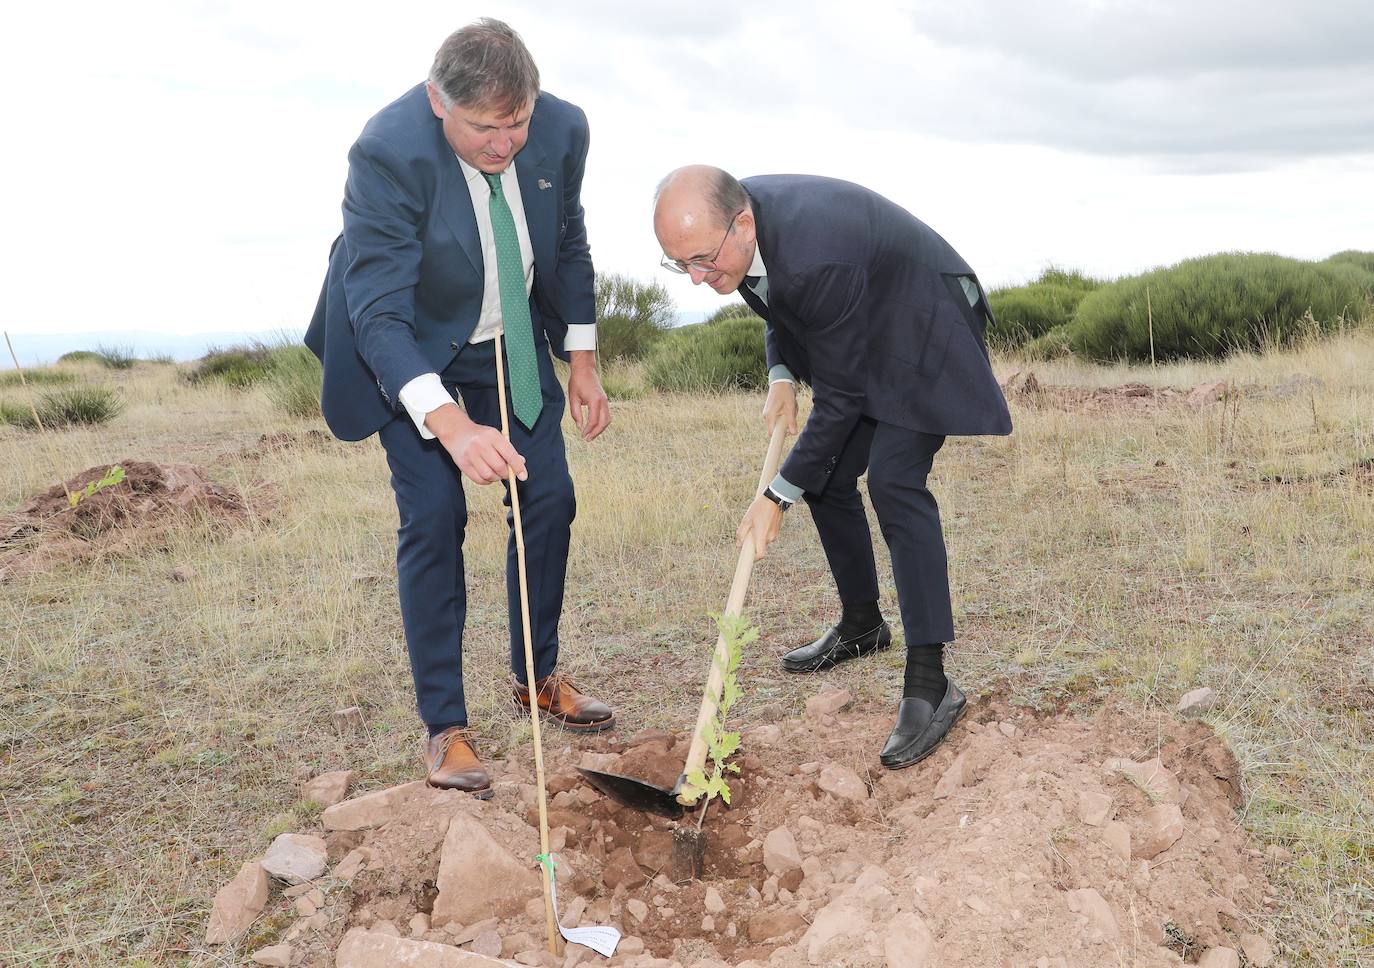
(639,795)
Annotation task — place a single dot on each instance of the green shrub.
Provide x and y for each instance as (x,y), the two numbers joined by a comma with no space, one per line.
(66,408)
(116,357)
(1354,257)
(1026,312)
(630,316)
(293,381)
(35,378)
(80,356)
(16,415)
(710,358)
(236,366)
(734,310)
(1210,306)
(1049,345)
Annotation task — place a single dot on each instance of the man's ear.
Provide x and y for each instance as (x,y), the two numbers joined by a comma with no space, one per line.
(435,105)
(745,224)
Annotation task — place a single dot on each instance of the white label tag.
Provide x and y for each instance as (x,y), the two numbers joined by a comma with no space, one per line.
(600,938)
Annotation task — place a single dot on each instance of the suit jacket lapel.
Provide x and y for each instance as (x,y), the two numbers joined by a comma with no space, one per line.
(540,197)
(455,208)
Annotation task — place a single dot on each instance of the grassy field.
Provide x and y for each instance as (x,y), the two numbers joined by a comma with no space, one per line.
(154,732)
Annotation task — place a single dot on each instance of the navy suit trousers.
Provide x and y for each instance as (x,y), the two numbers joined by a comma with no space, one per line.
(897,461)
(433,517)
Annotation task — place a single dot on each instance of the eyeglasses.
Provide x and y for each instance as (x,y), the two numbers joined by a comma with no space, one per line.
(709,265)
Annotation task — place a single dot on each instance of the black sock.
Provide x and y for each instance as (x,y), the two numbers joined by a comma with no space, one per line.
(858,619)
(436,730)
(925,673)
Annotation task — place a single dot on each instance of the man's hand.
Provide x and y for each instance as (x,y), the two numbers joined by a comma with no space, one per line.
(781,405)
(761,524)
(481,452)
(587,403)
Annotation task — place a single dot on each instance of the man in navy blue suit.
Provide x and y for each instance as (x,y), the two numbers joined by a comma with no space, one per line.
(463,225)
(886,322)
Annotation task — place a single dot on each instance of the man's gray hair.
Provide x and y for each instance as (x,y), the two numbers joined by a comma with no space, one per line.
(722,191)
(485,65)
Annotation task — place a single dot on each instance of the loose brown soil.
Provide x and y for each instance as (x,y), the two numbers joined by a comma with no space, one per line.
(992,844)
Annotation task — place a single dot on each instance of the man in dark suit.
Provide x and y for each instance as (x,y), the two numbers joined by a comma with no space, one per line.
(886,323)
(450,243)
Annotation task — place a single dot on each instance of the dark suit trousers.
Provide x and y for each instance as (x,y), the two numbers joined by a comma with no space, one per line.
(433,516)
(897,461)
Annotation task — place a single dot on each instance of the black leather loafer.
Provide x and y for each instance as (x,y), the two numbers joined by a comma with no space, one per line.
(830,649)
(920,729)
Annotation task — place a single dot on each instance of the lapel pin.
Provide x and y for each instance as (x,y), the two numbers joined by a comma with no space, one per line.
(545,184)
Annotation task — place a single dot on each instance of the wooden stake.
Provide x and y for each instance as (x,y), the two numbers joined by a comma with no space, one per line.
(544,872)
(1150,316)
(33,409)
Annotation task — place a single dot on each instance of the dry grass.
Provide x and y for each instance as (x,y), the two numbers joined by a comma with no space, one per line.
(154,732)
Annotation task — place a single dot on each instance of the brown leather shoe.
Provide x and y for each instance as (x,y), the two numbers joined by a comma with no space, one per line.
(560,701)
(453,765)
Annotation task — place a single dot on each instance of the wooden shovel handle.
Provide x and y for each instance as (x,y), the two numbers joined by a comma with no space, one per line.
(739,588)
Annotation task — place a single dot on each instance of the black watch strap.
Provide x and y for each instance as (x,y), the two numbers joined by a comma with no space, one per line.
(772,495)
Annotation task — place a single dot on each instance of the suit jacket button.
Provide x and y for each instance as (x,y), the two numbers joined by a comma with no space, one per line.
(453,344)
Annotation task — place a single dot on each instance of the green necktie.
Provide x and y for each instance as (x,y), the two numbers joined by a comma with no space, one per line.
(526,397)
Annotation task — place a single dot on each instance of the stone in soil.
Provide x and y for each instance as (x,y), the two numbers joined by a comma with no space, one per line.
(237,904)
(842,782)
(828,702)
(478,878)
(1197,702)
(296,858)
(780,853)
(1165,827)
(1220,958)
(276,956)
(373,809)
(371,949)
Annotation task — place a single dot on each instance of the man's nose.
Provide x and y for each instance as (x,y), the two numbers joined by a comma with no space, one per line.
(698,276)
(501,144)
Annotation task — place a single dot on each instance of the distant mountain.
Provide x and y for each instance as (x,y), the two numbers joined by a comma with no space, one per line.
(38,349)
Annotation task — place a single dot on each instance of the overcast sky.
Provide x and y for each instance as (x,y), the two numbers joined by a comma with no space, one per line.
(179,166)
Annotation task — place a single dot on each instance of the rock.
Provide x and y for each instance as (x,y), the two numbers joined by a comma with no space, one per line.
(372,809)
(1118,838)
(835,924)
(1166,826)
(504,886)
(296,858)
(764,736)
(352,863)
(1278,854)
(348,721)
(328,789)
(842,782)
(655,850)
(419,924)
(713,902)
(780,853)
(828,702)
(183,573)
(708,925)
(1206,393)
(622,869)
(487,943)
(601,762)
(908,943)
(637,908)
(1197,702)
(630,947)
(1219,958)
(305,907)
(369,949)
(1094,808)
(1099,912)
(237,904)
(277,956)
(774,923)
(1160,785)
(793,878)
(1007,729)
(953,777)
(1257,950)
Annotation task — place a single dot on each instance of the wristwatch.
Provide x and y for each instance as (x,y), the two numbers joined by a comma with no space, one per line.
(772,495)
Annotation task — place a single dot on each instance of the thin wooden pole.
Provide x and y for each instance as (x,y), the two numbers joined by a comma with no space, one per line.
(33,409)
(545,872)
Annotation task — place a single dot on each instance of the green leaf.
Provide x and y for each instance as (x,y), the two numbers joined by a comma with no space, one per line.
(725,792)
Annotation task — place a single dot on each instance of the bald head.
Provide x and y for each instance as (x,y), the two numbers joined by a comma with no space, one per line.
(703,220)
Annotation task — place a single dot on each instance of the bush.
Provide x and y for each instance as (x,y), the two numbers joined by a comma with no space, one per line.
(1354,257)
(236,366)
(36,378)
(80,356)
(1210,306)
(710,357)
(293,380)
(1049,345)
(116,357)
(66,408)
(1026,312)
(734,310)
(630,316)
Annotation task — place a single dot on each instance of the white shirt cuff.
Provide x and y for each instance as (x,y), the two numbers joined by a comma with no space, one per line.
(581,336)
(421,396)
(780,374)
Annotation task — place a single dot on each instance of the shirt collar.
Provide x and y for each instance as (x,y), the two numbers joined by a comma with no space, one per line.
(757,268)
(471,174)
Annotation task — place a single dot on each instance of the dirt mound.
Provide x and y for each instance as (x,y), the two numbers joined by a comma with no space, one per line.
(50,530)
(1022,841)
(1023,385)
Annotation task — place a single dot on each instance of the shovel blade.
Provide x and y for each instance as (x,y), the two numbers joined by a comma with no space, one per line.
(635,794)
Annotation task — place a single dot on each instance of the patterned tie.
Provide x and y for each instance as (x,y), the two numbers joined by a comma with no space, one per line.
(526,397)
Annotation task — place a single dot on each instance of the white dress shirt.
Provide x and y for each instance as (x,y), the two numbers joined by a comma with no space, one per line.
(425,393)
